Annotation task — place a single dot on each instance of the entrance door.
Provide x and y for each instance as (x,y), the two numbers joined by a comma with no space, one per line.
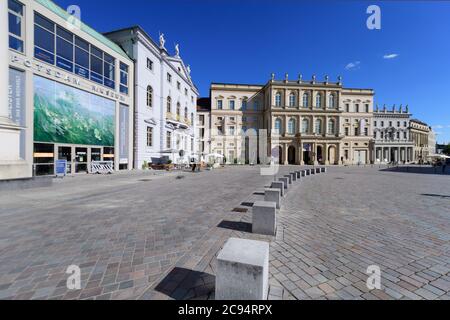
(291,155)
(65,153)
(96,154)
(360,157)
(81,160)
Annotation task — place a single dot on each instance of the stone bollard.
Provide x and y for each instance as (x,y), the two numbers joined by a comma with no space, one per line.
(278,185)
(308,172)
(265,218)
(313,171)
(299,174)
(243,270)
(303,173)
(324,170)
(273,195)
(294,176)
(285,181)
(289,177)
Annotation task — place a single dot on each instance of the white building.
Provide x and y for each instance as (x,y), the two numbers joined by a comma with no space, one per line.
(165,99)
(66,93)
(393,141)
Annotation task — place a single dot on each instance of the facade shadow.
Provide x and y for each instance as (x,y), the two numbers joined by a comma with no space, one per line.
(436,195)
(185,284)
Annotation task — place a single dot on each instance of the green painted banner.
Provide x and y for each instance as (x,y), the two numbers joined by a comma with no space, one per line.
(63,114)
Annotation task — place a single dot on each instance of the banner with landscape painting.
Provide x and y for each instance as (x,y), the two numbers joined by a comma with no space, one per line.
(63,114)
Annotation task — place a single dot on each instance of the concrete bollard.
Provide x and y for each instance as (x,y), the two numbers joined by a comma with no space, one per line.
(285,181)
(273,195)
(278,185)
(243,270)
(324,170)
(313,171)
(308,172)
(303,173)
(265,218)
(299,174)
(289,177)
(294,176)
(318,170)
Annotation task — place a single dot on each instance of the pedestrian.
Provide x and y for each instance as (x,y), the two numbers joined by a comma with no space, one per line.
(194,166)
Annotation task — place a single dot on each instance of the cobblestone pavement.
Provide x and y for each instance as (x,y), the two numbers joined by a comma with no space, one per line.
(139,236)
(331,228)
(124,230)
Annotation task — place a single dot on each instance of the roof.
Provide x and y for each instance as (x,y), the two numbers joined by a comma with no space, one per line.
(50,5)
(204,105)
(134,28)
(419,122)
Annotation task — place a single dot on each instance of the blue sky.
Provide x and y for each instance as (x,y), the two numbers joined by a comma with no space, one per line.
(244,41)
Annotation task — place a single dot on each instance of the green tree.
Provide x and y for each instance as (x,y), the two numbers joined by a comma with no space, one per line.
(447,149)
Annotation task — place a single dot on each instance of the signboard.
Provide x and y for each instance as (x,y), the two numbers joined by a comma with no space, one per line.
(61,168)
(124,128)
(63,114)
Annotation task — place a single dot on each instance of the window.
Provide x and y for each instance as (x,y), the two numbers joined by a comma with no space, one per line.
(375,124)
(292,100)
(149,64)
(366,132)
(220,130)
(356,131)
(169,78)
(123,78)
(382,135)
(331,127)
(44,39)
(405,124)
(305,126)
(278,99)
(331,104)
(405,135)
(398,124)
(244,104)
(16,27)
(291,127)
(347,107)
(382,124)
(390,123)
(169,140)
(232,131)
(306,100)
(347,131)
(398,135)
(318,127)
(367,108)
(169,104)
(185,92)
(278,126)
(202,120)
(356,107)
(186,114)
(178,109)
(149,137)
(319,101)
(178,85)
(192,118)
(219,104)
(149,97)
(232,104)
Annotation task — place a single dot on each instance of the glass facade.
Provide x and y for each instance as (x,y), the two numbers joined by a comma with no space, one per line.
(57,46)
(16,25)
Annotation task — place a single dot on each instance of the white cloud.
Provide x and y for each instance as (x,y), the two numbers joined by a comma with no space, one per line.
(353,65)
(390,56)
(438,127)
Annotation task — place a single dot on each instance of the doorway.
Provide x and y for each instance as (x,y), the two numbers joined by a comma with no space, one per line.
(291,155)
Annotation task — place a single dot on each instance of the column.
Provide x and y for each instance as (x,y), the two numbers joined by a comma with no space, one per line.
(302,162)
(327,162)
(286,160)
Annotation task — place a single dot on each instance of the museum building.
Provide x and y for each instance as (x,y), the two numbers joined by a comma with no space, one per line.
(70,93)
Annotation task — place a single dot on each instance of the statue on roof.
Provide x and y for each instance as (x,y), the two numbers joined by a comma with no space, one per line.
(273,76)
(188,69)
(177,50)
(162,41)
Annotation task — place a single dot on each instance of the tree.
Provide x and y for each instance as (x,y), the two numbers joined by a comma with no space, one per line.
(447,149)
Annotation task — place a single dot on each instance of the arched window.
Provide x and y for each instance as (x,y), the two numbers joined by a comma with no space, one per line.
(178,109)
(331,104)
(244,104)
(291,126)
(278,126)
(306,100)
(318,128)
(186,114)
(278,99)
(149,97)
(305,126)
(169,104)
(292,100)
(319,101)
(331,127)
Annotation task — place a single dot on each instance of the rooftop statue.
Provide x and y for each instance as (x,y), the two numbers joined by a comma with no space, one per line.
(162,41)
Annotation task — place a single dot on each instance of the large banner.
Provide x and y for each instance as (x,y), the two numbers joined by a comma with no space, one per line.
(63,114)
